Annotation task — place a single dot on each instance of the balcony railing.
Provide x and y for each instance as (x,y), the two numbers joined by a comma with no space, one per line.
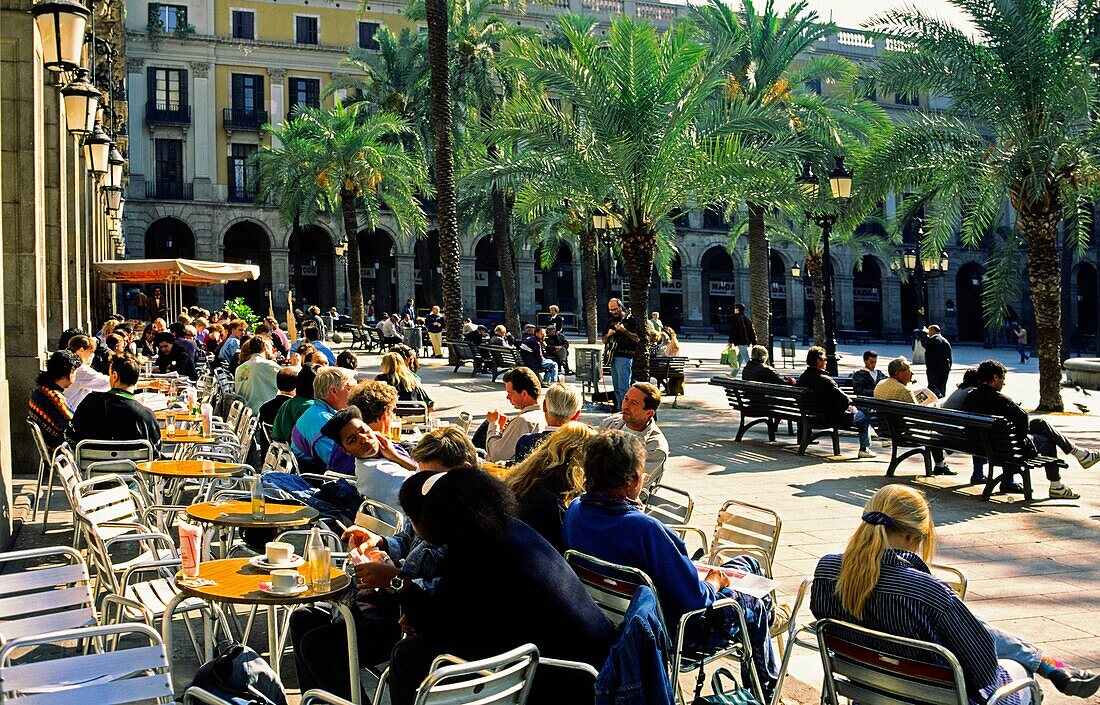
(164,114)
(237,119)
(170,190)
(242,193)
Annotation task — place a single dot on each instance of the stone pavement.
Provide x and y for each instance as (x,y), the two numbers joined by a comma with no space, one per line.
(1031,567)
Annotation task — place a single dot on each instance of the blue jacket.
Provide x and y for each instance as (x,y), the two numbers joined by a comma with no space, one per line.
(636,671)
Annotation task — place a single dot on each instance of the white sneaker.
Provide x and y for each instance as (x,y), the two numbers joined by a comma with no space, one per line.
(886,443)
(1063,492)
(866,453)
(1088,458)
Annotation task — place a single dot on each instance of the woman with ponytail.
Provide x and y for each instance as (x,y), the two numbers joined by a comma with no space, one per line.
(882,582)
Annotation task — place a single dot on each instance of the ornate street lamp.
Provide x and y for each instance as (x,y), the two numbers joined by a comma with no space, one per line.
(115,162)
(796,271)
(340,248)
(114,200)
(61,25)
(97,150)
(840,190)
(81,103)
(923,268)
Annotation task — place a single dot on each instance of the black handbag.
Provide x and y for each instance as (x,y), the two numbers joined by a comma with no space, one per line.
(241,676)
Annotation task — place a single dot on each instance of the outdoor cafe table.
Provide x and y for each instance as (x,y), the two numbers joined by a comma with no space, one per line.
(186,436)
(237,514)
(181,416)
(236,582)
(176,470)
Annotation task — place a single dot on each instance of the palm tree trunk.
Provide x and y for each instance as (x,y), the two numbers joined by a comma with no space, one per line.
(589,265)
(502,238)
(449,251)
(355,280)
(639,248)
(1040,224)
(760,260)
(815,266)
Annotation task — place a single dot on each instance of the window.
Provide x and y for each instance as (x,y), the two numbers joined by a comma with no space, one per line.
(306,91)
(242,173)
(366,36)
(168,89)
(167,18)
(906,99)
(864,87)
(814,85)
(169,161)
(243,24)
(307,30)
(248,93)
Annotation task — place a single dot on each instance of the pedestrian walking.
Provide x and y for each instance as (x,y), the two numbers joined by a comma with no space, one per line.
(1021,343)
(742,334)
(937,360)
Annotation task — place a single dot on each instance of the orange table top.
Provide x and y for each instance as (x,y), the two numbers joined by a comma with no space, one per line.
(186,436)
(189,468)
(235,581)
(235,512)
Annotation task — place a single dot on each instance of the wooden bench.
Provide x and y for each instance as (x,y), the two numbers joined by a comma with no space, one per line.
(503,359)
(666,370)
(771,403)
(360,336)
(463,352)
(914,430)
(852,335)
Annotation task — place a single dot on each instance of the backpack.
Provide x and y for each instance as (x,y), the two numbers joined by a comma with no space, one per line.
(241,676)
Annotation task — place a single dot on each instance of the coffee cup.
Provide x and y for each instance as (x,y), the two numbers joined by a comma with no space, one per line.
(286,580)
(278,552)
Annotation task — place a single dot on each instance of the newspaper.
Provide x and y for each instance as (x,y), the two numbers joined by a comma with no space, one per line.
(154,401)
(749,584)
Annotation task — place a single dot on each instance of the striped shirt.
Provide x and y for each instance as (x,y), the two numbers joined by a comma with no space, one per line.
(47,408)
(909,602)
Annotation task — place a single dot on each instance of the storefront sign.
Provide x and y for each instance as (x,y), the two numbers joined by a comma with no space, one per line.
(779,291)
(309,270)
(868,294)
(723,288)
(481,278)
(672,286)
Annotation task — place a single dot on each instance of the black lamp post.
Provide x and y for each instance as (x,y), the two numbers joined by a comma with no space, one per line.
(922,269)
(840,191)
(341,250)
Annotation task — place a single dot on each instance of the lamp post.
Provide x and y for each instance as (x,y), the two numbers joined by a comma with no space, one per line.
(804,277)
(341,250)
(61,25)
(81,103)
(840,191)
(923,268)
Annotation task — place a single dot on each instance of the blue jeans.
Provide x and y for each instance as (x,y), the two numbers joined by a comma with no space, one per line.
(862,422)
(621,368)
(742,355)
(551,369)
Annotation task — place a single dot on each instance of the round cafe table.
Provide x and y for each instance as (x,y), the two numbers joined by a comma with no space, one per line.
(236,582)
(186,436)
(237,514)
(172,471)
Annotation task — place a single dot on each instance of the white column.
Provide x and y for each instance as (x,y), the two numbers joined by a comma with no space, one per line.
(693,294)
(139,136)
(203,121)
(278,99)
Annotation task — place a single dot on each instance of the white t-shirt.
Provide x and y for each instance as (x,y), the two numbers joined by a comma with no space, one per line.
(380,479)
(85,381)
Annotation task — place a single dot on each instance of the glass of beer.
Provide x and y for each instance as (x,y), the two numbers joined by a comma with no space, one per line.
(170,425)
(395,430)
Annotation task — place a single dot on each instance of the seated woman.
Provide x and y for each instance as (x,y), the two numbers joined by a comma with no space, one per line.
(549,479)
(882,582)
(607,522)
(396,374)
(500,585)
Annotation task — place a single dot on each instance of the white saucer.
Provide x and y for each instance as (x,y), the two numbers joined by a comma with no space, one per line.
(297,590)
(262,563)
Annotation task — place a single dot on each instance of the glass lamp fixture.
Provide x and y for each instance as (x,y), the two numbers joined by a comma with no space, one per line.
(807,182)
(115,163)
(97,148)
(910,260)
(944,262)
(114,200)
(340,248)
(61,25)
(796,270)
(840,181)
(81,103)
(599,221)
(613,222)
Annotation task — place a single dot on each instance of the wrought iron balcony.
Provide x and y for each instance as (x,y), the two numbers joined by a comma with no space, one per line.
(240,119)
(170,190)
(165,114)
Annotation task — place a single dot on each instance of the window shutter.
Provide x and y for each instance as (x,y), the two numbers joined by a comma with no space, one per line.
(183,90)
(151,86)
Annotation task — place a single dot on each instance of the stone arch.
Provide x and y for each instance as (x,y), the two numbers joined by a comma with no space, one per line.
(247,241)
(719,284)
(312,266)
(867,294)
(271,239)
(378,253)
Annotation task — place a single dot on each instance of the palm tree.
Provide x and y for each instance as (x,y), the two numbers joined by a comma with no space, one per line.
(640,126)
(1022,126)
(763,72)
(333,160)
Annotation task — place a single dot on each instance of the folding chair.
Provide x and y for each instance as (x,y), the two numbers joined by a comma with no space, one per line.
(875,668)
(46,599)
(379,518)
(669,505)
(497,680)
(43,465)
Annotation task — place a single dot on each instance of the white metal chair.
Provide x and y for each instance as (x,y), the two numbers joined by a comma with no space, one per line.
(279,458)
(46,599)
(497,680)
(412,411)
(43,468)
(130,673)
(95,456)
(379,518)
(669,505)
(895,670)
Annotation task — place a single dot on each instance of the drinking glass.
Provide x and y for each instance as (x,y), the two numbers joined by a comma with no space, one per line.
(170,425)
(320,568)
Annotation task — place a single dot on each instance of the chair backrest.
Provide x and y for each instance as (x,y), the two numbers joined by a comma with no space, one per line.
(298,538)
(136,670)
(874,668)
(669,505)
(497,680)
(99,456)
(64,467)
(279,458)
(379,517)
(48,599)
(39,442)
(107,500)
(747,525)
(611,585)
(415,411)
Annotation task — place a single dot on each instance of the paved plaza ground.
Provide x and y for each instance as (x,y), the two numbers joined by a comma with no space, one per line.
(1032,567)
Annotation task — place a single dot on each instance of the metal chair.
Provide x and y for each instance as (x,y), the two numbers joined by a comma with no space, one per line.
(43,465)
(669,505)
(497,680)
(901,671)
(103,456)
(379,518)
(412,411)
(129,673)
(49,599)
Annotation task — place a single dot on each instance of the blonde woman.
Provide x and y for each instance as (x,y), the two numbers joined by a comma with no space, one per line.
(549,479)
(882,582)
(397,374)
(672,347)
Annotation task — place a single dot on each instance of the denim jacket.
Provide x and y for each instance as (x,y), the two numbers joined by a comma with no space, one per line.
(636,670)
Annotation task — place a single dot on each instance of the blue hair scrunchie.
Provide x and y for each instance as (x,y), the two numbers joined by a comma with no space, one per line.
(878,519)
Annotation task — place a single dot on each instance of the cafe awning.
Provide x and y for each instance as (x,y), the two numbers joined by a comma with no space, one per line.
(182,272)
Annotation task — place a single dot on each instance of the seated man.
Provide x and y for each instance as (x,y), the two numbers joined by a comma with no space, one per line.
(319,643)
(502,338)
(638,419)
(502,433)
(758,369)
(173,358)
(285,383)
(987,399)
(836,405)
(531,351)
(478,336)
(607,522)
(115,415)
(896,388)
(256,379)
(557,348)
(380,468)
(292,409)
(864,380)
(391,330)
(47,406)
(312,334)
(314,451)
(560,406)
